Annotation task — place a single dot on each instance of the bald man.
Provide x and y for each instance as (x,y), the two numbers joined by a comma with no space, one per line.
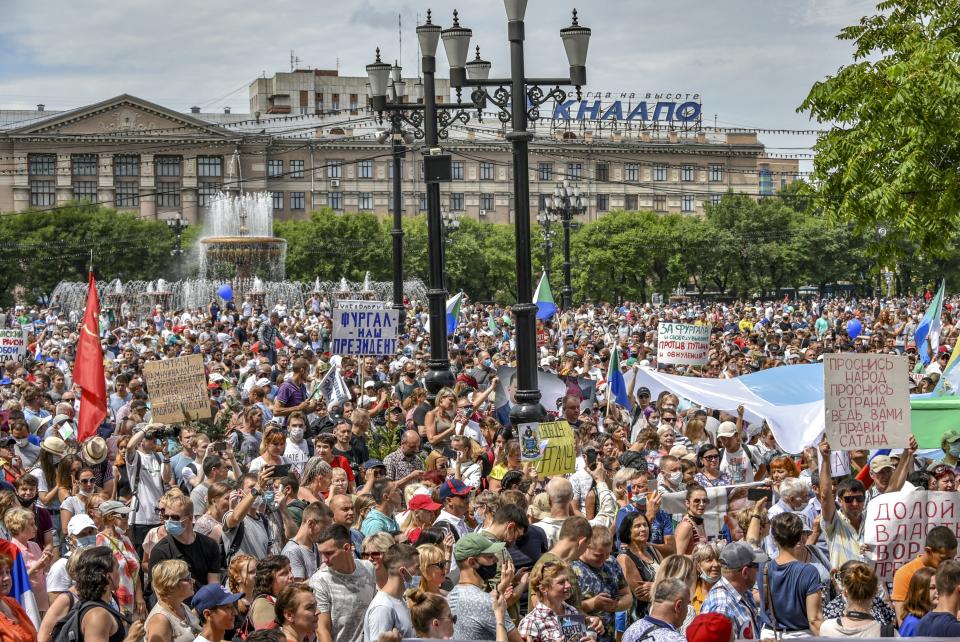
(343,514)
(404,464)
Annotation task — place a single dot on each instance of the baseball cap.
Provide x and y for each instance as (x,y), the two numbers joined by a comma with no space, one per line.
(79,523)
(710,627)
(453,488)
(473,545)
(213,595)
(262,382)
(113,507)
(880,462)
(727,429)
(736,555)
(6,442)
(951,436)
(939,469)
(423,502)
(373,463)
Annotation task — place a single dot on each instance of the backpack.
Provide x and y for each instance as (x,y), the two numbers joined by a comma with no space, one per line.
(68,629)
(226,555)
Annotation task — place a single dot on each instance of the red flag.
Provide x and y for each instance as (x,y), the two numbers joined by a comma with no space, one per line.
(88,368)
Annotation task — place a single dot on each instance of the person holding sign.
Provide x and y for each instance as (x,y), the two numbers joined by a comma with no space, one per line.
(292,395)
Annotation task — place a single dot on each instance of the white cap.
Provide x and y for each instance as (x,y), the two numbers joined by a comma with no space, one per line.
(727,429)
(79,523)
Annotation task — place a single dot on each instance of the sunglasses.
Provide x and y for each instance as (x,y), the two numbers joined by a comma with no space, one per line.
(175,518)
(850,499)
(371,555)
(711,457)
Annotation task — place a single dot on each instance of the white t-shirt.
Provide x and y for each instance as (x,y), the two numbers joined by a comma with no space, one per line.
(149,488)
(297,454)
(384,614)
(74,504)
(58,581)
(737,465)
(260,462)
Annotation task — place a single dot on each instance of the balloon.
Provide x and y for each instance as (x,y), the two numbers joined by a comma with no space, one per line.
(226,292)
(854,328)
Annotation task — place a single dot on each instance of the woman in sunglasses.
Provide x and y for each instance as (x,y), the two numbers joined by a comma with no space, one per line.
(708,461)
(690,530)
(434,566)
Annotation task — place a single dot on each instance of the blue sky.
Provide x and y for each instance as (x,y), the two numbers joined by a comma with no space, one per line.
(752,61)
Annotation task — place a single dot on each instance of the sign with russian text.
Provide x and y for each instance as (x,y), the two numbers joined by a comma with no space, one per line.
(897,525)
(364,328)
(13,344)
(177,389)
(559,452)
(867,401)
(683,344)
(642,107)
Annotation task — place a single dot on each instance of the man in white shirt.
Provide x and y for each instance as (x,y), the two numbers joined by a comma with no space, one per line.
(738,460)
(297,451)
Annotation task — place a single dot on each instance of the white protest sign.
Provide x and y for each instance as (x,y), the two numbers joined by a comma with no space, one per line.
(364,328)
(867,401)
(897,525)
(722,500)
(333,388)
(839,462)
(13,344)
(683,344)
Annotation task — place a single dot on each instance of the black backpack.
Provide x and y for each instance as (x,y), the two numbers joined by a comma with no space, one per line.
(68,629)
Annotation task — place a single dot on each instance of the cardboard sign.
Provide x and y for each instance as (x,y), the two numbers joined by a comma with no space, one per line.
(559,452)
(177,389)
(530,442)
(683,344)
(364,328)
(897,525)
(867,401)
(13,344)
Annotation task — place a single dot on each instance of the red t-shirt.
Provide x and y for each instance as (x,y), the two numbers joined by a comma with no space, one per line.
(339,461)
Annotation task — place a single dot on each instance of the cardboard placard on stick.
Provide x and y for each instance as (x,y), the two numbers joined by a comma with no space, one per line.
(683,344)
(177,389)
(364,328)
(867,401)
(559,451)
(13,344)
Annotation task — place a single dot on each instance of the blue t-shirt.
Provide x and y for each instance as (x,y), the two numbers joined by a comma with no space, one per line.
(937,625)
(909,627)
(790,585)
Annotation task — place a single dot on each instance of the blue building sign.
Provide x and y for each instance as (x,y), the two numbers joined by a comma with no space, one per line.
(638,107)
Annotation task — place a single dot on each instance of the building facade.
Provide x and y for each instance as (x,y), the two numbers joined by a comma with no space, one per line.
(131,154)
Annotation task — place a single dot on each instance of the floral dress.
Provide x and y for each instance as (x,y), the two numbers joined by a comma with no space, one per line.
(129,563)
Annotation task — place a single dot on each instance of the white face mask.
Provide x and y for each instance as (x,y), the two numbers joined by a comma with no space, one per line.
(296,434)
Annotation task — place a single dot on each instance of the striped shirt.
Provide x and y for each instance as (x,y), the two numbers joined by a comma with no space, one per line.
(843,540)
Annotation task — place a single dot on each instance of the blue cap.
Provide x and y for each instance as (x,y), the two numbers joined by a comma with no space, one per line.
(373,463)
(6,381)
(211,596)
(453,488)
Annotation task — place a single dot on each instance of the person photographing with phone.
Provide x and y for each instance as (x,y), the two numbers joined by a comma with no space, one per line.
(150,474)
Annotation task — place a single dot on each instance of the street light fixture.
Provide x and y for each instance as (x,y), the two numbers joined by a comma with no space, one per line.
(178,225)
(566,204)
(546,219)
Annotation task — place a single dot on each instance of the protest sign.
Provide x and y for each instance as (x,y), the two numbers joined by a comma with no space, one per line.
(723,500)
(13,344)
(867,401)
(839,462)
(530,442)
(559,453)
(332,387)
(177,389)
(897,525)
(683,344)
(364,328)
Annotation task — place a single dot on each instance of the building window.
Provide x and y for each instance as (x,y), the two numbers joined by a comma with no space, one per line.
(686,173)
(603,202)
(603,172)
(207,192)
(574,171)
(365,201)
(486,202)
(715,199)
(456,201)
(127,194)
(659,172)
(545,171)
(423,200)
(320,103)
(168,194)
(686,203)
(486,171)
(353,102)
(274,168)
(365,169)
(716,173)
(630,202)
(126,165)
(631,173)
(335,201)
(390,171)
(296,169)
(43,164)
(334,168)
(298,200)
(456,170)
(167,165)
(42,193)
(276,200)
(84,164)
(335,102)
(659,203)
(766,182)
(85,191)
(209,165)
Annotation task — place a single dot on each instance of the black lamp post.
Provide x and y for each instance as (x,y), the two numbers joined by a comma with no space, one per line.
(566,204)
(518,100)
(430,120)
(178,225)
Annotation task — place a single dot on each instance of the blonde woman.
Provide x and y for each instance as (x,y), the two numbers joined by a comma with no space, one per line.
(468,467)
(339,483)
(682,568)
(434,567)
(373,549)
(271,450)
(170,620)
(22,527)
(439,422)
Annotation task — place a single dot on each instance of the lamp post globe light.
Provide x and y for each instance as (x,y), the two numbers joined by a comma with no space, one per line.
(565,205)
(546,219)
(178,225)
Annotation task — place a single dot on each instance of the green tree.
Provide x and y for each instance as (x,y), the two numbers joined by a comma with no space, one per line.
(890,157)
(330,246)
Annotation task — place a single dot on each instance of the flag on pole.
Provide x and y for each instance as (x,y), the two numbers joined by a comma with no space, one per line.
(333,388)
(543,297)
(88,369)
(927,335)
(453,312)
(616,385)
(20,588)
(492,324)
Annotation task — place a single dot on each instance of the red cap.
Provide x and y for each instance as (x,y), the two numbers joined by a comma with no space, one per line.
(423,502)
(710,627)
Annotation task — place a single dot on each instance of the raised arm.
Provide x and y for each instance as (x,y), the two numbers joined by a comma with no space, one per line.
(827,504)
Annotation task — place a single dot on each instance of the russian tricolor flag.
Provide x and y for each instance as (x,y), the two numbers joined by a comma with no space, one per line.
(21,590)
(453,312)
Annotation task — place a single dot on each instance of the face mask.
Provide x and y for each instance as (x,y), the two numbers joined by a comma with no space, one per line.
(487,571)
(86,541)
(296,434)
(23,442)
(173,527)
(709,580)
(412,583)
(675,478)
(955,449)
(268,497)
(478,516)
(26,502)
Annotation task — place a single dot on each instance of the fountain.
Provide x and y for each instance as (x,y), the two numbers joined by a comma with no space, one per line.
(238,241)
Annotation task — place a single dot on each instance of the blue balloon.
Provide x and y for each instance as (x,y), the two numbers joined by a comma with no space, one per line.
(854,328)
(226,292)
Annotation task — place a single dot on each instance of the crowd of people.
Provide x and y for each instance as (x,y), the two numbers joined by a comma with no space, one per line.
(402,512)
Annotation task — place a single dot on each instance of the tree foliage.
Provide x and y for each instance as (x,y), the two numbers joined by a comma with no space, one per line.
(891,155)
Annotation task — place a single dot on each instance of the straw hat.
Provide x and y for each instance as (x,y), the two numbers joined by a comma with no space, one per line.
(95,450)
(54,446)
